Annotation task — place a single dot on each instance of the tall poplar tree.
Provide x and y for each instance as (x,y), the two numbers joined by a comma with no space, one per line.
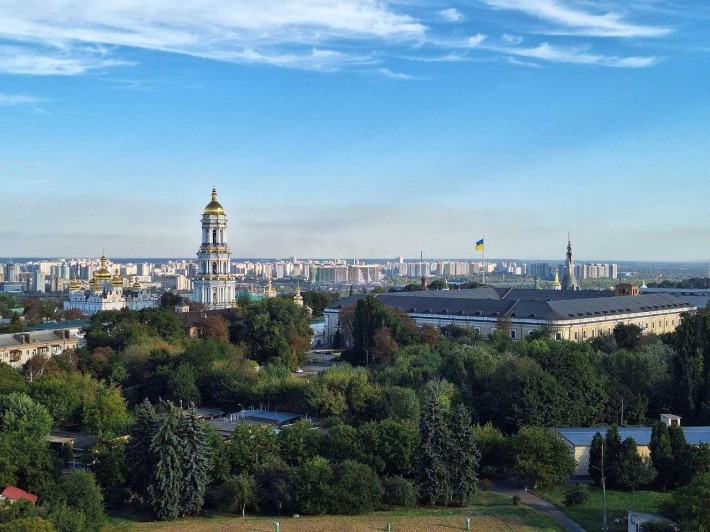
(662,455)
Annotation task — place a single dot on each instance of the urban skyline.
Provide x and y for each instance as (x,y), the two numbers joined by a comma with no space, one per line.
(408,126)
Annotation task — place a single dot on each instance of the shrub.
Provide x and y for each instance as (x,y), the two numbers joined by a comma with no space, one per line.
(485,484)
(576,495)
(516,500)
(398,492)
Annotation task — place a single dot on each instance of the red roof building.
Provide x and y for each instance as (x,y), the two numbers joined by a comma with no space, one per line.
(14,493)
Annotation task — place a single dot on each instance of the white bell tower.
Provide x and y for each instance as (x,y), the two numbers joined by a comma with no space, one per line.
(215,286)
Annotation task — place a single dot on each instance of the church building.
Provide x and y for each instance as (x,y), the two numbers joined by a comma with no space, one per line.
(106,292)
(214,286)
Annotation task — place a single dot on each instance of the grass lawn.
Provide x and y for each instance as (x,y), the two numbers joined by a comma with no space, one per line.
(589,515)
(490,513)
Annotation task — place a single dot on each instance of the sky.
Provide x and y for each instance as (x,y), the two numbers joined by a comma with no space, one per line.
(356,128)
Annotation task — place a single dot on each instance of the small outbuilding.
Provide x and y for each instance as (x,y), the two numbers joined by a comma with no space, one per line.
(13,493)
(637,520)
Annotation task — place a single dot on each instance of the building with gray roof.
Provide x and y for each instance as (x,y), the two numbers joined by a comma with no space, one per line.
(575,315)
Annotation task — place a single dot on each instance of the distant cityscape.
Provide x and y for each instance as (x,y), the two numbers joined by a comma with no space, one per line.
(33,275)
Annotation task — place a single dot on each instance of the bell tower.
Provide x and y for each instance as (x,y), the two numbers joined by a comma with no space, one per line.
(214,286)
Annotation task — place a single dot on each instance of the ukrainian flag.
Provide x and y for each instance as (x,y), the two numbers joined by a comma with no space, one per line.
(479,245)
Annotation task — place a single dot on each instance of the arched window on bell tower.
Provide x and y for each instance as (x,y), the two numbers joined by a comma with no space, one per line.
(214,267)
(214,236)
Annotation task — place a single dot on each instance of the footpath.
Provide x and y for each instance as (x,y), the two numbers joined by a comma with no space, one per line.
(509,489)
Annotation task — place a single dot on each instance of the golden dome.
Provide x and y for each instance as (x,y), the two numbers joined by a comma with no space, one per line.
(116,279)
(214,206)
(137,286)
(94,284)
(103,273)
(74,286)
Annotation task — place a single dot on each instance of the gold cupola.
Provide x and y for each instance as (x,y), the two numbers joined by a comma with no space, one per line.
(137,286)
(74,286)
(94,284)
(116,280)
(214,207)
(103,273)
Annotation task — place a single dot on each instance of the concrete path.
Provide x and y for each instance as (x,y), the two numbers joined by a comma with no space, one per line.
(539,504)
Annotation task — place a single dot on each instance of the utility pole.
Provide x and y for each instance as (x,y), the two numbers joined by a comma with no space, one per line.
(605,528)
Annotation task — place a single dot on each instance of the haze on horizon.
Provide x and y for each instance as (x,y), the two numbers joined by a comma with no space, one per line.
(356,128)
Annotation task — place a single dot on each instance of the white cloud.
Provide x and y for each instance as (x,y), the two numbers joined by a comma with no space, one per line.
(512,39)
(580,21)
(476,40)
(518,62)
(11,100)
(452,15)
(557,54)
(396,75)
(43,60)
(278,32)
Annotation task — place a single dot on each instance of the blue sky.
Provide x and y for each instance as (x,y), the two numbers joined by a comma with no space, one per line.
(356,128)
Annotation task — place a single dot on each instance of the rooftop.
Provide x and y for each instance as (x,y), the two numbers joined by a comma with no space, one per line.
(582,437)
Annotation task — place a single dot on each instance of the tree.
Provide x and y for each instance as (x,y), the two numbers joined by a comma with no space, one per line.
(272,486)
(195,462)
(493,449)
(596,449)
(170,300)
(24,456)
(541,457)
(612,455)
(239,492)
(463,457)
(433,479)
(312,486)
(299,442)
(80,491)
(383,345)
(250,445)
(627,336)
(165,452)
(357,488)
(398,491)
(273,330)
(10,380)
(215,327)
(389,446)
(662,455)
(138,458)
(634,471)
(689,504)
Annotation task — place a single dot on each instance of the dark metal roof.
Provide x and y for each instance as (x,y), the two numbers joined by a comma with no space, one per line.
(522,304)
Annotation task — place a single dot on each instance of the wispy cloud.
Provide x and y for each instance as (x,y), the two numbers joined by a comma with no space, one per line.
(578,20)
(397,75)
(547,52)
(90,36)
(11,100)
(452,15)
(50,38)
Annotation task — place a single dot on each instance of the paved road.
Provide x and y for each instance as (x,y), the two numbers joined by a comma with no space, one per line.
(539,504)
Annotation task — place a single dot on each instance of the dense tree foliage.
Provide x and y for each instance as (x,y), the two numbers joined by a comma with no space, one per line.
(273,330)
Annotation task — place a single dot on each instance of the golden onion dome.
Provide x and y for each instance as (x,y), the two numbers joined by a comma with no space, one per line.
(214,206)
(103,273)
(94,284)
(137,286)
(74,286)
(116,279)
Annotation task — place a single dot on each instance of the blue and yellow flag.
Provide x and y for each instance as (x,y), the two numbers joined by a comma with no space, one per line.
(479,245)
